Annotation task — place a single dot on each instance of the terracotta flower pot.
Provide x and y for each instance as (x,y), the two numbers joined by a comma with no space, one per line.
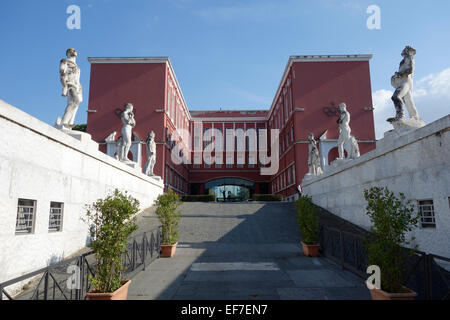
(378,294)
(168,250)
(119,294)
(310,250)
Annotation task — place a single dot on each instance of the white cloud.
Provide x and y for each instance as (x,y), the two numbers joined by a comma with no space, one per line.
(431,96)
(384,109)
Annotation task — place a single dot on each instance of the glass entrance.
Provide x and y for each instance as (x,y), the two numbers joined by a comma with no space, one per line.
(230,189)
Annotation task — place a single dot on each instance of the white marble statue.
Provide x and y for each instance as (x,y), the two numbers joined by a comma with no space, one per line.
(402,81)
(128,123)
(346,140)
(313,157)
(151,154)
(70,79)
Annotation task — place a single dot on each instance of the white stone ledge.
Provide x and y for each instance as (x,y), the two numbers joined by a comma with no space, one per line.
(433,128)
(23,119)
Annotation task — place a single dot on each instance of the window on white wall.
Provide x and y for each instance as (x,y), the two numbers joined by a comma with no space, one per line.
(26,215)
(426,210)
(56,216)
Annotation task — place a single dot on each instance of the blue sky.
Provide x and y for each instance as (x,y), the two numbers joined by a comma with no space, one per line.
(228,54)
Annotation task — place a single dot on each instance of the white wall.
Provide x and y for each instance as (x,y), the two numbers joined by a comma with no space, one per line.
(39,162)
(416,164)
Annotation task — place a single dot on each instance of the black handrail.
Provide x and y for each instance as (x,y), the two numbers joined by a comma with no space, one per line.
(143,249)
(424,275)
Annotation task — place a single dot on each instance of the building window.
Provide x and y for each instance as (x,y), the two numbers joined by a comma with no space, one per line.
(56,217)
(26,213)
(426,210)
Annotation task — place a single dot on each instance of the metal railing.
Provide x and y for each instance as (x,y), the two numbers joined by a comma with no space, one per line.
(424,274)
(55,282)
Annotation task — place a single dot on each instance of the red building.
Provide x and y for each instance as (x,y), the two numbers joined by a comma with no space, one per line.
(305,101)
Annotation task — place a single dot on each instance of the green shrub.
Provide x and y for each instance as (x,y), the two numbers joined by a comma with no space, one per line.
(169,216)
(267,197)
(198,198)
(111,222)
(80,127)
(392,218)
(307,220)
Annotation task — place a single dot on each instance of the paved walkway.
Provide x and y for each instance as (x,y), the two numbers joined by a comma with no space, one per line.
(241,251)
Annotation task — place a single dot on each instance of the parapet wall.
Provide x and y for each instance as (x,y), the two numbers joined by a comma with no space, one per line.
(39,162)
(416,164)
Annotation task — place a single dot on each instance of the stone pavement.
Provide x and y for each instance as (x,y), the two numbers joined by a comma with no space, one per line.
(241,251)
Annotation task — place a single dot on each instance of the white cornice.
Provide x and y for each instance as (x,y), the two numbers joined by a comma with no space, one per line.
(128,59)
(233,119)
(328,58)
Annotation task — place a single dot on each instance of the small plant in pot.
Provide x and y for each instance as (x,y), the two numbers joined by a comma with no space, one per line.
(392,218)
(112,221)
(308,223)
(169,217)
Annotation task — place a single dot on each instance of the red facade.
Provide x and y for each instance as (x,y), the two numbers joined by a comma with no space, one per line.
(310,89)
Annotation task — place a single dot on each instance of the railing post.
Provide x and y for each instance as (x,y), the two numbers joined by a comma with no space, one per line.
(341,243)
(428,277)
(143,249)
(1,293)
(133,265)
(45,285)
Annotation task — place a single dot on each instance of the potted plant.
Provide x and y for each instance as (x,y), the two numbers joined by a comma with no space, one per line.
(392,219)
(308,223)
(112,220)
(169,217)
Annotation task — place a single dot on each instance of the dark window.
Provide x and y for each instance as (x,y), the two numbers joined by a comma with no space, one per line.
(56,217)
(26,213)
(426,209)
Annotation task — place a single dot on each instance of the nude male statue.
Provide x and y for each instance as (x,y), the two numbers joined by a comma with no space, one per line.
(128,124)
(151,154)
(313,156)
(70,79)
(402,81)
(346,139)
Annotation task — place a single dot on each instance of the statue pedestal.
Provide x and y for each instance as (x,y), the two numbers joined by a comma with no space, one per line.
(83,137)
(338,162)
(407,123)
(157,178)
(401,127)
(133,165)
(309,176)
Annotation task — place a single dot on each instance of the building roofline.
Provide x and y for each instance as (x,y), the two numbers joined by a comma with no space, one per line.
(326,58)
(128,59)
(314,58)
(231,110)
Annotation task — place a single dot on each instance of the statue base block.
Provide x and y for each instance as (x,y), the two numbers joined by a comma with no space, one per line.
(83,137)
(157,178)
(401,127)
(407,123)
(338,162)
(310,176)
(132,164)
